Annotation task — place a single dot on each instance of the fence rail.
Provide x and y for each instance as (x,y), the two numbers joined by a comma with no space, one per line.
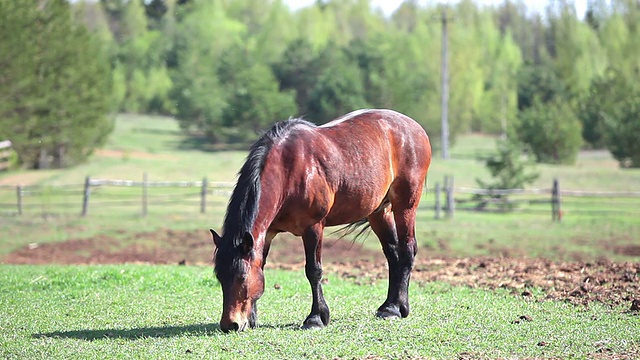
(103,196)
(553,200)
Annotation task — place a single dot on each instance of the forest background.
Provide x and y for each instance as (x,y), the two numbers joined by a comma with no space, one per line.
(553,82)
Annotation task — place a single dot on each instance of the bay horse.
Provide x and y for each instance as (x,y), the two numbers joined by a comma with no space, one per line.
(368,166)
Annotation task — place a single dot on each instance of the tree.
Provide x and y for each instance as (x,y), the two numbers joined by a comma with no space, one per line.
(552,131)
(270,26)
(623,132)
(612,116)
(510,169)
(299,69)
(339,89)
(369,56)
(591,112)
(527,30)
(54,84)
(224,84)
(142,62)
(253,100)
(608,113)
(499,65)
(204,33)
(578,56)
(411,50)
(538,82)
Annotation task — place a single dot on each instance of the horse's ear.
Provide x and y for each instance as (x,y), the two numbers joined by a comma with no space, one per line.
(247,243)
(216,238)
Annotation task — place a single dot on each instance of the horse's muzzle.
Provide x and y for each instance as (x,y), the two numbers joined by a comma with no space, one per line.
(231,325)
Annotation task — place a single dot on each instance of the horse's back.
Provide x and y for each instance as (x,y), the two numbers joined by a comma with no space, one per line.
(377,150)
(343,170)
(371,132)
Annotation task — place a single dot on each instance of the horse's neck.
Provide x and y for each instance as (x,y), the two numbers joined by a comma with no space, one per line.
(269,205)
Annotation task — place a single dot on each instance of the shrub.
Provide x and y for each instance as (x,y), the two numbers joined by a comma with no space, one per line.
(552,131)
(510,169)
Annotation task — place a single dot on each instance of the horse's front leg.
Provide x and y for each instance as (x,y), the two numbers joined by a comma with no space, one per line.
(253,316)
(319,316)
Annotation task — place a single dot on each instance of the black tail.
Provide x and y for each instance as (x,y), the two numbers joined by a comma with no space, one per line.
(361,226)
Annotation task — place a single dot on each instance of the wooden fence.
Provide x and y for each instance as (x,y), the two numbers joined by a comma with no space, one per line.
(205,190)
(553,201)
(101,197)
(5,154)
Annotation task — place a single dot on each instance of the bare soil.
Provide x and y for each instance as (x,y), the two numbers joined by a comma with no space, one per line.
(580,282)
(131,154)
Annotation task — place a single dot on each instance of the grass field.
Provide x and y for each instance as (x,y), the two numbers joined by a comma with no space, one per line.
(144,311)
(167,312)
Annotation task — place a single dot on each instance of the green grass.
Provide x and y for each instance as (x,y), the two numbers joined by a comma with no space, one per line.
(129,311)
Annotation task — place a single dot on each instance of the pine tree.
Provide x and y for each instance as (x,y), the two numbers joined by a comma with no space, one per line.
(54,85)
(509,169)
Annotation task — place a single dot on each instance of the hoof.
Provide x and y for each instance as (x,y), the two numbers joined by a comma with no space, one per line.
(313,322)
(385,315)
(388,312)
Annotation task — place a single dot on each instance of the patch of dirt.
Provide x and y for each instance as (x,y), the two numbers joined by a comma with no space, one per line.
(575,282)
(131,154)
(24,179)
(167,246)
(628,250)
(579,282)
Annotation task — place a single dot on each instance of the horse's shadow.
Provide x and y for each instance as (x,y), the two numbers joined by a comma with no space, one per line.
(150,332)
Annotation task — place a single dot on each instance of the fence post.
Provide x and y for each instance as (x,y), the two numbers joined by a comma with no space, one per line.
(5,154)
(438,207)
(203,196)
(19,198)
(145,185)
(449,194)
(556,202)
(85,198)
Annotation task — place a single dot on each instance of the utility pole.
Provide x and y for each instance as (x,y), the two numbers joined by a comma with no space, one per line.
(445,85)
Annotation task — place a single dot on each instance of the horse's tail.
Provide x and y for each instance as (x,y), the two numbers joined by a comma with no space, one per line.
(361,226)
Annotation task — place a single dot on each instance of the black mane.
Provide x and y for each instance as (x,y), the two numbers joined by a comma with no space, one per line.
(242,210)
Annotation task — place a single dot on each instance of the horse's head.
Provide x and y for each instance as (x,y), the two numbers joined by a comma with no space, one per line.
(239,271)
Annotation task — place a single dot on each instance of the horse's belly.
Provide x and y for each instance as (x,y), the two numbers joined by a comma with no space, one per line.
(297,218)
(347,210)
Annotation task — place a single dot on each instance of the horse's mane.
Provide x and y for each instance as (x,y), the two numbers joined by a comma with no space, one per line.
(242,210)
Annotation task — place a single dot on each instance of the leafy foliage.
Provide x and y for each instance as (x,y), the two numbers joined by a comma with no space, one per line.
(54,84)
(227,68)
(339,88)
(253,99)
(552,130)
(612,114)
(509,169)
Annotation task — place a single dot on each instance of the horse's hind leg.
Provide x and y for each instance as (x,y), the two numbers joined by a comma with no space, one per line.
(319,315)
(395,227)
(384,226)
